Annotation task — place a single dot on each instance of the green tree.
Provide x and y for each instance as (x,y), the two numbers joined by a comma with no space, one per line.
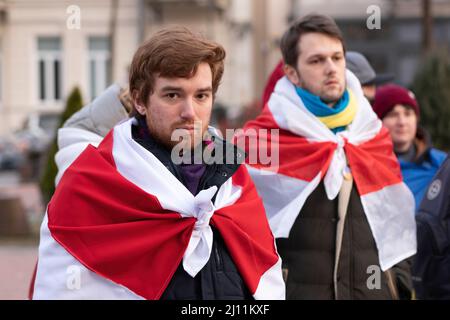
(47,183)
(432,88)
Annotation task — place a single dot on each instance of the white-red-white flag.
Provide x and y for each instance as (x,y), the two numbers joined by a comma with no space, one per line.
(309,153)
(125,222)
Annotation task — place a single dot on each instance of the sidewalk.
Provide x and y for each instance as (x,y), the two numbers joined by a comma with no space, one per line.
(17,262)
(18,255)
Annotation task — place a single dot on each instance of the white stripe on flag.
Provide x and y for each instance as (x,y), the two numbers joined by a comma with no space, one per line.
(385,209)
(60,276)
(283,198)
(271,284)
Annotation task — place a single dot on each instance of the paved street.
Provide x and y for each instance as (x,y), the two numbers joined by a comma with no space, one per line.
(17,262)
(18,256)
(28,193)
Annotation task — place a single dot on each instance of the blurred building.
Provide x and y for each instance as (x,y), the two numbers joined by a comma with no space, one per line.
(44,53)
(397,46)
(47,47)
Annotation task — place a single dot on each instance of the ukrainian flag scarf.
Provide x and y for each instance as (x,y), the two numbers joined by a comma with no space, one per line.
(336,118)
(308,153)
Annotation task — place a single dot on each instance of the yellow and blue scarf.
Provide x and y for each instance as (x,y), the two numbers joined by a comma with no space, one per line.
(336,118)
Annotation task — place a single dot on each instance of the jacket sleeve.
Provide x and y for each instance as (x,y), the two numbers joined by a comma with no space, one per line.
(431,266)
(100,115)
(88,126)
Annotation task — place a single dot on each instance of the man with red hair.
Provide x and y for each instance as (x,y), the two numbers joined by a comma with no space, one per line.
(134,215)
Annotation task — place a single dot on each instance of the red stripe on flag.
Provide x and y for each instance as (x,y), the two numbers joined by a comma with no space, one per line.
(109,225)
(374,164)
(246,232)
(122,233)
(297,157)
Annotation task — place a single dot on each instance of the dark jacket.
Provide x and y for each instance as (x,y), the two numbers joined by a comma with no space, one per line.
(219,278)
(431,268)
(309,254)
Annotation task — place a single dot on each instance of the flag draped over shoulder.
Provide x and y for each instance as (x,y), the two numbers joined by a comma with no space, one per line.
(127,223)
(308,153)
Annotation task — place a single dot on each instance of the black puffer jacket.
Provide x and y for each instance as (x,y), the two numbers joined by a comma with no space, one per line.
(431,268)
(219,278)
(309,254)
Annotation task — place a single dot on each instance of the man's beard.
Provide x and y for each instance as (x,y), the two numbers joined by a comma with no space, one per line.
(331,100)
(187,139)
(324,97)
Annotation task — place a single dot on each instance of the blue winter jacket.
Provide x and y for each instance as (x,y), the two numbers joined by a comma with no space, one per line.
(418,174)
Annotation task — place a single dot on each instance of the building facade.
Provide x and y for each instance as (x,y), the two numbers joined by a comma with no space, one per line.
(48,47)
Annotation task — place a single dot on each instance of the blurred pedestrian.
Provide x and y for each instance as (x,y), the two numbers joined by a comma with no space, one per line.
(397,107)
(276,75)
(431,268)
(358,64)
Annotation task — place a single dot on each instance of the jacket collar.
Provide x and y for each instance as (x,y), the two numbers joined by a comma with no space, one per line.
(142,136)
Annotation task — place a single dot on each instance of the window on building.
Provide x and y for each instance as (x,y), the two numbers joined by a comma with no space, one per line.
(99,65)
(49,68)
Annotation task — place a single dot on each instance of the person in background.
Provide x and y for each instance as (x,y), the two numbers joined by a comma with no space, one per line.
(431,267)
(335,199)
(397,107)
(276,75)
(358,64)
(355,62)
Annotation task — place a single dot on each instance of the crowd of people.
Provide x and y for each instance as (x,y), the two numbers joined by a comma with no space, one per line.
(351,209)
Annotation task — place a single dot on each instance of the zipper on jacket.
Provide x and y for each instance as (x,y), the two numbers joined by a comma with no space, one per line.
(218,258)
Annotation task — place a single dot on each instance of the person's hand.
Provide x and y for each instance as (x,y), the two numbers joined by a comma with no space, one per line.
(125,99)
